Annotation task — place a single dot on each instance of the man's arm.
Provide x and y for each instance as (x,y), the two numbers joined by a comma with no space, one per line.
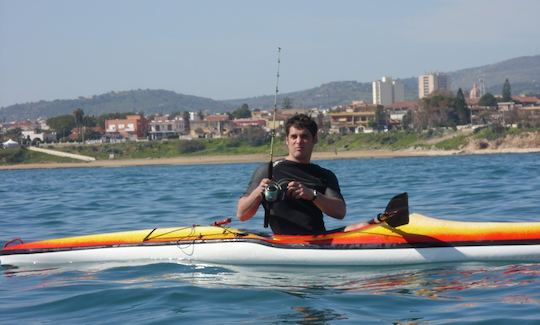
(248,204)
(333,206)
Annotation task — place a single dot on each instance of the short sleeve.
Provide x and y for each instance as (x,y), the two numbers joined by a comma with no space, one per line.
(332,186)
(259,173)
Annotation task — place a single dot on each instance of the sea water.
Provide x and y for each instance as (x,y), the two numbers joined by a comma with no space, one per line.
(47,203)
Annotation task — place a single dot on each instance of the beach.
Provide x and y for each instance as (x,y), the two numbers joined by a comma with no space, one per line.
(224,159)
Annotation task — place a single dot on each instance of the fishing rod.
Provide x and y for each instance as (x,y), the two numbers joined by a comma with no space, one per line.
(267,204)
(273,133)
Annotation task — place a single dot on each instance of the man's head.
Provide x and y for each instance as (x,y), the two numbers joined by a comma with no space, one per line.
(301,133)
(301,121)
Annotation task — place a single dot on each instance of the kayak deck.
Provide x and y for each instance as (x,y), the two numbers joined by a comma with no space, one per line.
(424,239)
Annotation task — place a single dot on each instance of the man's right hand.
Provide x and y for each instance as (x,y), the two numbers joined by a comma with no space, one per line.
(262,186)
(248,205)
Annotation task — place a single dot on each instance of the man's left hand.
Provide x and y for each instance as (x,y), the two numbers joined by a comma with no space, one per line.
(298,191)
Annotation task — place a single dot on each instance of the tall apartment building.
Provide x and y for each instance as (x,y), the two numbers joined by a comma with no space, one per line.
(428,83)
(387,91)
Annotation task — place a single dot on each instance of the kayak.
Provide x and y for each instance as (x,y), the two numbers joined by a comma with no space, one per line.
(421,240)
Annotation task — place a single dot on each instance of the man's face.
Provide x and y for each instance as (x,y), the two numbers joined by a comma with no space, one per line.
(300,143)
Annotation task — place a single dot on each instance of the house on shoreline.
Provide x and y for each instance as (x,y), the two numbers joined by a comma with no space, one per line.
(133,127)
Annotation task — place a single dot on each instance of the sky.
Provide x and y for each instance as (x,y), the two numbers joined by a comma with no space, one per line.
(63,49)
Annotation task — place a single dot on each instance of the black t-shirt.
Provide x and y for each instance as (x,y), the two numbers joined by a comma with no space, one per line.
(291,216)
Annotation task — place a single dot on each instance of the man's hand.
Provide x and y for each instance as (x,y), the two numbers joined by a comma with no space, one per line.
(262,185)
(298,191)
(248,205)
(332,206)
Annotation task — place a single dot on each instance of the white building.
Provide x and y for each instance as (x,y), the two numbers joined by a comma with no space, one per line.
(387,91)
(430,82)
(161,127)
(34,136)
(399,91)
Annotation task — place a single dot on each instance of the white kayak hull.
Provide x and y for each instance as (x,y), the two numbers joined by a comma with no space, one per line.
(422,240)
(250,253)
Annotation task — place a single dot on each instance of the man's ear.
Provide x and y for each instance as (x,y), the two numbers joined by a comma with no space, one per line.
(316,139)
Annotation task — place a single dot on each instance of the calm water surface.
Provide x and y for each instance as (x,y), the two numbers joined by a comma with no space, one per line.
(39,204)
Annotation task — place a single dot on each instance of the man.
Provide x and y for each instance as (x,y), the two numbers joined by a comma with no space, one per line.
(310,190)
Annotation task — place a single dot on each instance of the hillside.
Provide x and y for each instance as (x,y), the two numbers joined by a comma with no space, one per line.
(147,101)
(523,73)
(326,95)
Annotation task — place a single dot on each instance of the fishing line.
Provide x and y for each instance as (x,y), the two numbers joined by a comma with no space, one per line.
(273,133)
(267,205)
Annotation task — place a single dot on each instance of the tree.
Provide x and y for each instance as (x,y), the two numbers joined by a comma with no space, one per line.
(78,114)
(507,91)
(487,100)
(241,112)
(185,118)
(12,134)
(91,134)
(380,118)
(407,120)
(436,110)
(90,121)
(62,124)
(462,110)
(173,115)
(287,103)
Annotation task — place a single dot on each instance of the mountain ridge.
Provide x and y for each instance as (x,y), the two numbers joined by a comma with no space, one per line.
(523,73)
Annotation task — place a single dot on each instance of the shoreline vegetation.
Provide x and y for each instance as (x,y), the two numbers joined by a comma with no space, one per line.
(488,140)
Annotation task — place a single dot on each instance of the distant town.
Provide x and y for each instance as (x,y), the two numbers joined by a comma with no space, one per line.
(436,107)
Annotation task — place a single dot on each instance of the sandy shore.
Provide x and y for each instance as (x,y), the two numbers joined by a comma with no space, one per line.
(197,160)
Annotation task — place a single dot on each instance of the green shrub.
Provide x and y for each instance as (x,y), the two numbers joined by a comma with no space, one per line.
(189,146)
(433,133)
(452,143)
(13,155)
(113,150)
(388,139)
(329,139)
(234,142)
(255,137)
(491,132)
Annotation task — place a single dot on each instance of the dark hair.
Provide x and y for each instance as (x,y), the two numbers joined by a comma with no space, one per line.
(301,121)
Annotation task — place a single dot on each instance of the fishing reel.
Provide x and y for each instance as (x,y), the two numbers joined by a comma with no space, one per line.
(275,192)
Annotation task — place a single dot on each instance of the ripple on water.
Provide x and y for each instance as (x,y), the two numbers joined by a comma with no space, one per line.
(52,203)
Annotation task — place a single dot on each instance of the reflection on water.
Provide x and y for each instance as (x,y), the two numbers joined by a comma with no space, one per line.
(304,295)
(440,282)
(310,315)
(490,188)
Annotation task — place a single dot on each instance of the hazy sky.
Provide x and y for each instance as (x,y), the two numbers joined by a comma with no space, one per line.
(225,49)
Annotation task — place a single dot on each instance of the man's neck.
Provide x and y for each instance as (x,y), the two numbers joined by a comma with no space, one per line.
(303,161)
